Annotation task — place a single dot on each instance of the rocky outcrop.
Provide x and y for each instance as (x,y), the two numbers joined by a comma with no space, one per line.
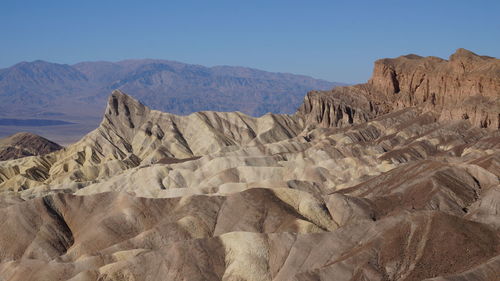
(132,134)
(465,87)
(135,128)
(341,107)
(25,144)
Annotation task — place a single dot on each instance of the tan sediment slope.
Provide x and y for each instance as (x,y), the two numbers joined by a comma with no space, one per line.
(349,188)
(131,134)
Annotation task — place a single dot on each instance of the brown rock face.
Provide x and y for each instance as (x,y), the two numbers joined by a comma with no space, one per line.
(341,107)
(25,144)
(467,86)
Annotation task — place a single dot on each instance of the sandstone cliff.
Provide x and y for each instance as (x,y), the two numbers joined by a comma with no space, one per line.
(467,86)
(341,107)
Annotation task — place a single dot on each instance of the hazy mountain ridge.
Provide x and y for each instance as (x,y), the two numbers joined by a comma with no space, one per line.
(29,88)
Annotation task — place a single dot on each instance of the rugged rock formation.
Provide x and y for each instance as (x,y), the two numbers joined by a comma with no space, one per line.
(25,144)
(132,134)
(467,86)
(349,188)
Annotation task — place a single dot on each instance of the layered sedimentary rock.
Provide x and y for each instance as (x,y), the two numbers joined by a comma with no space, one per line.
(341,107)
(25,144)
(132,134)
(349,188)
(467,86)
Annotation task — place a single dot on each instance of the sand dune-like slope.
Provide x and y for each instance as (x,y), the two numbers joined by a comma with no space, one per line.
(348,188)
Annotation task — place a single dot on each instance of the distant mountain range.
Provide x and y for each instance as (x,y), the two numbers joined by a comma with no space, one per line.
(42,89)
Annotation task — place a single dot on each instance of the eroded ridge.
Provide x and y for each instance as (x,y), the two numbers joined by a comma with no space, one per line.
(359,184)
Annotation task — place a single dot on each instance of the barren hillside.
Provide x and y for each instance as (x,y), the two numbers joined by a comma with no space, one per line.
(395,179)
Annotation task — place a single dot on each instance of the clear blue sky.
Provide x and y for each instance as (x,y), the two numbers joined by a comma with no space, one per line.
(333,40)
